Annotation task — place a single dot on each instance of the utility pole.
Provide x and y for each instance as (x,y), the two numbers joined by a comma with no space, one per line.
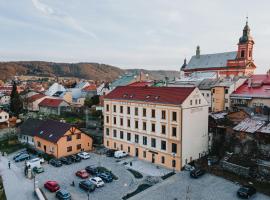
(188,193)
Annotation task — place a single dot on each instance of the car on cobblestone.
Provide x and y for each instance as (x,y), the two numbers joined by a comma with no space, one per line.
(87,186)
(196,173)
(20,153)
(66,161)
(75,158)
(97,181)
(82,174)
(55,162)
(120,154)
(63,195)
(52,186)
(91,170)
(84,155)
(105,176)
(38,170)
(246,191)
(22,157)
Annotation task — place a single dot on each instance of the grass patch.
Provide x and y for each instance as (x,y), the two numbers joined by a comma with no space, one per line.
(2,190)
(136,174)
(10,146)
(139,189)
(167,175)
(103,169)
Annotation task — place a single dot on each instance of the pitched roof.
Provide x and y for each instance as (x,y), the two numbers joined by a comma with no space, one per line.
(123,80)
(35,97)
(51,130)
(28,127)
(249,125)
(210,60)
(91,87)
(47,102)
(141,83)
(167,95)
(260,88)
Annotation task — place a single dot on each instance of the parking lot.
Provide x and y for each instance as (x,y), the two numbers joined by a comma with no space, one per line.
(179,186)
(65,175)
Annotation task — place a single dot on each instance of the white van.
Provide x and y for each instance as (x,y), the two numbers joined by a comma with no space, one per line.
(35,162)
(120,154)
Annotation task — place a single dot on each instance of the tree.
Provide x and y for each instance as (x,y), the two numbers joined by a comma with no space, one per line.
(89,102)
(16,104)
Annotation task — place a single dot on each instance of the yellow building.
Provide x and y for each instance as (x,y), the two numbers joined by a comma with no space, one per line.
(164,125)
(61,139)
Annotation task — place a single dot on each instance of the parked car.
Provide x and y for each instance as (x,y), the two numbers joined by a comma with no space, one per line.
(38,170)
(105,176)
(188,167)
(97,181)
(55,162)
(91,170)
(35,162)
(197,173)
(66,161)
(246,191)
(52,186)
(63,195)
(212,160)
(87,185)
(84,155)
(19,153)
(82,174)
(75,158)
(22,157)
(120,154)
(110,152)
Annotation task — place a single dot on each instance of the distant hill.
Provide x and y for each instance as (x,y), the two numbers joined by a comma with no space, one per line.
(93,71)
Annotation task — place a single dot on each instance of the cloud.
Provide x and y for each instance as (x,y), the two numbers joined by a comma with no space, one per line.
(61,17)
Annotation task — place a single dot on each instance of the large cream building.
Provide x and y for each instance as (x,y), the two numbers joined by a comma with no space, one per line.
(163,125)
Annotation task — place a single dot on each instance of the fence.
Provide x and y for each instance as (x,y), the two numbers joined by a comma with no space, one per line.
(237,169)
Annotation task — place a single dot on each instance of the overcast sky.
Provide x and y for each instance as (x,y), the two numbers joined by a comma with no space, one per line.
(150,34)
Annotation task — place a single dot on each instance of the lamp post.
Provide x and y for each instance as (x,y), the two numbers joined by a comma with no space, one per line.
(88,194)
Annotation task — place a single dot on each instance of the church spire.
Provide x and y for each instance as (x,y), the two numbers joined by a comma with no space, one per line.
(246,34)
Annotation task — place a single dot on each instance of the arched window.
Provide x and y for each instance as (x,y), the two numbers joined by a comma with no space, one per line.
(242,53)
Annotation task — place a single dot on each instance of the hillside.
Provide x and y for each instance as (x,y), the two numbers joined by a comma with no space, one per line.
(93,71)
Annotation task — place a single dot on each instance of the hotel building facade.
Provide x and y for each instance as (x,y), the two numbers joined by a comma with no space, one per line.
(167,126)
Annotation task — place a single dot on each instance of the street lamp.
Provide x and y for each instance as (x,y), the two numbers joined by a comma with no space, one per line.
(88,194)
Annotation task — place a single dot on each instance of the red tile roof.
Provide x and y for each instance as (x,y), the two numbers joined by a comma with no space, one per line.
(141,84)
(166,95)
(50,102)
(90,88)
(35,97)
(260,87)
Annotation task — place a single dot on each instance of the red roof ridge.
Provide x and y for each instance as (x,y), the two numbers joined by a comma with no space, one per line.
(167,95)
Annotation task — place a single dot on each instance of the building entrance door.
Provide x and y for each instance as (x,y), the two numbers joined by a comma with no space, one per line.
(137,152)
(153,158)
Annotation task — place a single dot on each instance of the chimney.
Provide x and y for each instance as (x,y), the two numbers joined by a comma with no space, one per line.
(198,52)
(249,82)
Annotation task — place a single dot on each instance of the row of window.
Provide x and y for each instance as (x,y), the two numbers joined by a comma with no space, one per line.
(144,112)
(196,101)
(144,127)
(78,137)
(78,146)
(163,143)
(162,158)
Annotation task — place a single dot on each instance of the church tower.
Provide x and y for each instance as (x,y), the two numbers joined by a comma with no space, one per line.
(245,45)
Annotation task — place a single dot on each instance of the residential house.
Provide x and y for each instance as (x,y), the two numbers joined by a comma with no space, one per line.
(4,116)
(254,93)
(53,106)
(103,89)
(55,90)
(31,103)
(4,99)
(27,131)
(89,91)
(61,139)
(156,124)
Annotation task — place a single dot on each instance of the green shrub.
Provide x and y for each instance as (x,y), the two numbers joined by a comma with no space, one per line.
(136,174)
(168,175)
(139,189)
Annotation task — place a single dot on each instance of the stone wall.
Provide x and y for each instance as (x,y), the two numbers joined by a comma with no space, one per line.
(237,169)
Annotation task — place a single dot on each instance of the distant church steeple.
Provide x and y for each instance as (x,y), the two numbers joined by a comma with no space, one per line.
(245,45)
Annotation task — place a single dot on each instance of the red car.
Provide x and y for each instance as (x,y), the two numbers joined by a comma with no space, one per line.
(52,186)
(82,174)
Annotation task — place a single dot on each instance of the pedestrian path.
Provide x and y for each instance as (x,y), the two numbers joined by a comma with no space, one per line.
(12,179)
